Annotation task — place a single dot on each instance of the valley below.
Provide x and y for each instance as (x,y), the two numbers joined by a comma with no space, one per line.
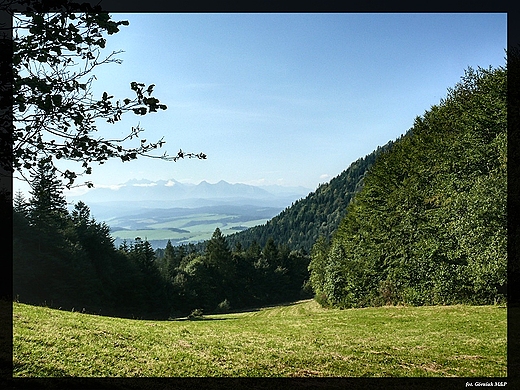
(186,225)
(184,213)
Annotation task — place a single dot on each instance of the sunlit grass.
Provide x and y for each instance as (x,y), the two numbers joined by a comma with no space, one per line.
(295,340)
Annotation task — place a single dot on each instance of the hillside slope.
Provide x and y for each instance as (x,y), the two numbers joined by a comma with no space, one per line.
(430,224)
(318,214)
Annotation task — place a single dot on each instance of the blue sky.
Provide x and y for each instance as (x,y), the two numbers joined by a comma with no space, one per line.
(290,99)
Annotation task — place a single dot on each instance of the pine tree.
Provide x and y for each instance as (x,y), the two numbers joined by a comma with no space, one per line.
(20,204)
(81,214)
(254,251)
(144,254)
(271,253)
(171,261)
(47,206)
(221,267)
(218,253)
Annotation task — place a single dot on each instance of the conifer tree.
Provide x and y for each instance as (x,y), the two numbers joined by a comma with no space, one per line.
(20,204)
(218,253)
(81,214)
(170,260)
(47,206)
(270,253)
(144,254)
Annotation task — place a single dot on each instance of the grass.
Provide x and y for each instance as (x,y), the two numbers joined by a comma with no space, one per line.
(296,340)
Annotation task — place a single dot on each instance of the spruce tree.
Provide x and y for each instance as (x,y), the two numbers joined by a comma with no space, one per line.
(218,253)
(144,254)
(170,260)
(47,206)
(20,204)
(271,253)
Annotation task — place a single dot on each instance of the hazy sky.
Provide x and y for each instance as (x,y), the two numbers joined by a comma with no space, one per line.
(289,99)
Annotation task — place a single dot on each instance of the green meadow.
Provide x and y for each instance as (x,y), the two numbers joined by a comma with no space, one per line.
(296,340)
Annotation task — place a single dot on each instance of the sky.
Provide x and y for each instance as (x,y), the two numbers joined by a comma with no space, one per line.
(288,99)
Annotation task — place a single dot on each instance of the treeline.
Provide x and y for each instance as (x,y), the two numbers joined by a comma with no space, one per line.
(68,260)
(317,215)
(219,278)
(429,225)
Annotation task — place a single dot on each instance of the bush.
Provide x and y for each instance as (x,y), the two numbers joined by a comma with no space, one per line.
(195,315)
(321,298)
(388,292)
(224,306)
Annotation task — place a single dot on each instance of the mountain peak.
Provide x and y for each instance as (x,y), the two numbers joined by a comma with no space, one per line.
(169,183)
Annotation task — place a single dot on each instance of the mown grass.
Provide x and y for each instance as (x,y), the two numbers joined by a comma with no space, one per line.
(296,340)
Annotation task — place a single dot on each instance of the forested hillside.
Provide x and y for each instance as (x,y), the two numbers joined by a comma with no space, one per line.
(429,225)
(319,214)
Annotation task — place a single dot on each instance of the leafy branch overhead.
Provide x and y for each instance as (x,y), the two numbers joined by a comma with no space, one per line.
(55,113)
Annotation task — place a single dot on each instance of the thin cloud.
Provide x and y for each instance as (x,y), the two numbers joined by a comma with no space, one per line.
(113,187)
(144,185)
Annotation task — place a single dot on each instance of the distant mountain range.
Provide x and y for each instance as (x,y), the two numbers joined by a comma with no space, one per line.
(191,195)
(169,210)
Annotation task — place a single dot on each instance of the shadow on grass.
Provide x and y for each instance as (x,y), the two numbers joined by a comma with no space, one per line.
(200,319)
(41,371)
(269,306)
(237,311)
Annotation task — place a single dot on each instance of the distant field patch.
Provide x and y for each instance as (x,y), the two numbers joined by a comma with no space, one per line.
(185,225)
(239,228)
(150,234)
(182,230)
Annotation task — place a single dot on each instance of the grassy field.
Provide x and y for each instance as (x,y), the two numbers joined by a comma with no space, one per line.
(296,340)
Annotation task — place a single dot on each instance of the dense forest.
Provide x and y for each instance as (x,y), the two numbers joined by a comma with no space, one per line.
(68,260)
(429,225)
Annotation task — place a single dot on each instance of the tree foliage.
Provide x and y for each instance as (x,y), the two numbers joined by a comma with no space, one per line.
(57,46)
(48,204)
(429,226)
(215,278)
(68,260)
